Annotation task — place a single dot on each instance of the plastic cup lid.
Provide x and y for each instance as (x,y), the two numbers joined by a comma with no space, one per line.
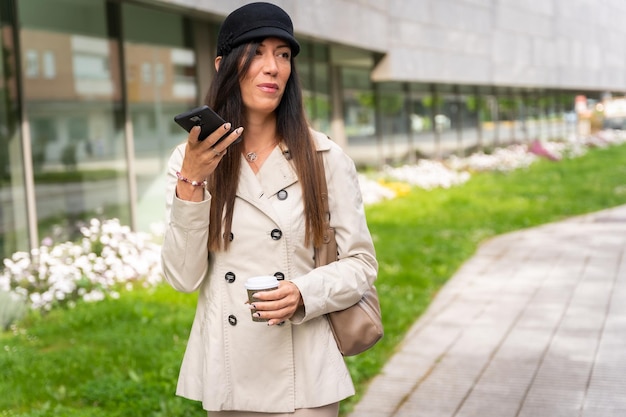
(261,283)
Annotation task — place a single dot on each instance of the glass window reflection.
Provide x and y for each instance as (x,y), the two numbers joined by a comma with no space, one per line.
(13,222)
(161,82)
(313,71)
(359,105)
(73,103)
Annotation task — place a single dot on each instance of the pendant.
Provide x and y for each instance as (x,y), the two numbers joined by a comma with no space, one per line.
(251,156)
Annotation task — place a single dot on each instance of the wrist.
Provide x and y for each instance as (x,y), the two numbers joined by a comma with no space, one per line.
(189,192)
(203,183)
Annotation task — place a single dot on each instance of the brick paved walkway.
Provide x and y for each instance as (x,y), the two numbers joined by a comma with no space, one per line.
(533,325)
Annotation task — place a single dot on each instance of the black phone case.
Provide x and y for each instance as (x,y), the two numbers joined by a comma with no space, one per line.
(204,117)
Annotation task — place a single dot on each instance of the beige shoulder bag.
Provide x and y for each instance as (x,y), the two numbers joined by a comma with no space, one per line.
(359,327)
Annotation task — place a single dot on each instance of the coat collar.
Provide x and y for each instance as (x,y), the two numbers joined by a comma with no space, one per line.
(276,174)
(322,141)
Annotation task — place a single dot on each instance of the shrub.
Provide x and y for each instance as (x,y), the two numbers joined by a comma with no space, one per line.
(108,258)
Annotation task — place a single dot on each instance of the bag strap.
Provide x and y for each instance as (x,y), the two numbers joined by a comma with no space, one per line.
(327,252)
(324,190)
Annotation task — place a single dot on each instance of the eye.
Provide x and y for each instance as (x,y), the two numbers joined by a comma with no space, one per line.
(285,55)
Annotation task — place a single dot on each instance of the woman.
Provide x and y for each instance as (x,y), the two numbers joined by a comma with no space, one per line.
(252,207)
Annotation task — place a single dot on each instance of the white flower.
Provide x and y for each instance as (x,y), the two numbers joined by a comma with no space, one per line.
(35,299)
(372,192)
(5,283)
(427,174)
(94,296)
(63,273)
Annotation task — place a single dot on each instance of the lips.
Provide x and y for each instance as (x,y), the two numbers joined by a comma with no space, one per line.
(268,87)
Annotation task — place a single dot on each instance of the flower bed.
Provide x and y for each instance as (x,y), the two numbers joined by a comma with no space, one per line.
(453,171)
(110,257)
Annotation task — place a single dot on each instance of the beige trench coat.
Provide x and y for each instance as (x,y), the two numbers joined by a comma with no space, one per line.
(231,362)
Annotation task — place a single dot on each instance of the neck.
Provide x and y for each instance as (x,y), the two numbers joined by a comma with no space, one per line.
(259,131)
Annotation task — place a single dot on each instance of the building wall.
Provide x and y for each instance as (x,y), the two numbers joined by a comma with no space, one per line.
(359,23)
(558,43)
(89,89)
(531,43)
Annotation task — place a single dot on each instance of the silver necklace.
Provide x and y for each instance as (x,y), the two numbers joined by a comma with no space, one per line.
(252,156)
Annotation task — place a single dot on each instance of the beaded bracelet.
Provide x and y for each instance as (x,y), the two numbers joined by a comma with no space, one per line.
(188,181)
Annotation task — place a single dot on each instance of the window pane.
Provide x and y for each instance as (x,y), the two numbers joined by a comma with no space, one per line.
(488,108)
(393,119)
(420,118)
(322,96)
(49,65)
(161,82)
(313,68)
(358,97)
(13,223)
(72,100)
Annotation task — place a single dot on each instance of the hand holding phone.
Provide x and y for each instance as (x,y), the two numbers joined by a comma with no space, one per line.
(206,118)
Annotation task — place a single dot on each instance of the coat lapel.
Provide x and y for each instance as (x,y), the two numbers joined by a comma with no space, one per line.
(275,175)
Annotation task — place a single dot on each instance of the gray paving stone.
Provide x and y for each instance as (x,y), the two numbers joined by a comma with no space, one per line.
(509,372)
(533,325)
(485,407)
(549,410)
(603,412)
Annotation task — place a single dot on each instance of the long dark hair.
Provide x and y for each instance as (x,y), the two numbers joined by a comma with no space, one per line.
(224,97)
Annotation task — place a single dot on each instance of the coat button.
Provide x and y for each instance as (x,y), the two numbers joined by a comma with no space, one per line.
(232,320)
(282,195)
(230,277)
(276,234)
(279,276)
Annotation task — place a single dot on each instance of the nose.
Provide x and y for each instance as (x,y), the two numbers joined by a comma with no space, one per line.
(270,65)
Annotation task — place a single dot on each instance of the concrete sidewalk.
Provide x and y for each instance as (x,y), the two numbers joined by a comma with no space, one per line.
(533,325)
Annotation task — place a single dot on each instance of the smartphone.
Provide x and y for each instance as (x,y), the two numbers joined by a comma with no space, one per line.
(204,117)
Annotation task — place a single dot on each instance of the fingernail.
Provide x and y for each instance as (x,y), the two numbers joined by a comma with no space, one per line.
(227,126)
(257,315)
(239,130)
(251,306)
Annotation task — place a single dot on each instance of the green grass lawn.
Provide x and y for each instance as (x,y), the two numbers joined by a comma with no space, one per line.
(121,357)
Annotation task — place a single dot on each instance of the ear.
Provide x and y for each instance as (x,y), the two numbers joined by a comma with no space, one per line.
(217,63)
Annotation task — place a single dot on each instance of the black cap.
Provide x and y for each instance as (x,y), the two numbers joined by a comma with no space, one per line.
(255,21)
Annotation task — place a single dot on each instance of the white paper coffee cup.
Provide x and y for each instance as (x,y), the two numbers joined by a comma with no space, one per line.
(257,284)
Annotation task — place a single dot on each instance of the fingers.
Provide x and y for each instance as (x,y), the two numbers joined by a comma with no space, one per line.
(219,139)
(287,291)
(277,305)
(275,316)
(201,156)
(221,144)
(194,133)
(218,153)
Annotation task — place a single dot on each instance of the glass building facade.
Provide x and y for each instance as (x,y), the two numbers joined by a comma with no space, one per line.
(89,89)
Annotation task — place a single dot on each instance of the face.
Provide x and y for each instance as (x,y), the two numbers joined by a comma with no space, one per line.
(264,84)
